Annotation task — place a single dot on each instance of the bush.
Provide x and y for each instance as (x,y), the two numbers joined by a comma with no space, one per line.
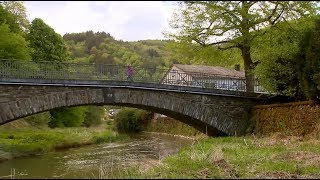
(108,136)
(67,117)
(38,120)
(131,120)
(93,116)
(144,117)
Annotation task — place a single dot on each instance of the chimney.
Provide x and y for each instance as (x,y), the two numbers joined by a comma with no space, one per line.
(237,67)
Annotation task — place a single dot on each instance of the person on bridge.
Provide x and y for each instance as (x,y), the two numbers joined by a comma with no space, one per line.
(129,72)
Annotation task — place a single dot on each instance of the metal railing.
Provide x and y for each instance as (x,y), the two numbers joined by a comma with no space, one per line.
(14,69)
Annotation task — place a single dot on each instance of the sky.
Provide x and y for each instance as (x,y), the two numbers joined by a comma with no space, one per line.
(124,20)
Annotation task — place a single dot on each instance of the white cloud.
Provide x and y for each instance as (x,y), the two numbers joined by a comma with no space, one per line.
(129,21)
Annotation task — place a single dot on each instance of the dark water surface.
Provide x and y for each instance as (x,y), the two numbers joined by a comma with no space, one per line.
(94,161)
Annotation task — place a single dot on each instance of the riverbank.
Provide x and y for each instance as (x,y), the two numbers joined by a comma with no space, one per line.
(275,156)
(177,135)
(20,139)
(30,141)
(171,126)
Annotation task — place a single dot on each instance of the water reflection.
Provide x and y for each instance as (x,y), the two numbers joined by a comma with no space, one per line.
(85,162)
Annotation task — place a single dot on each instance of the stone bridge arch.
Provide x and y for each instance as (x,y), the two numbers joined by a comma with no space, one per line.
(210,114)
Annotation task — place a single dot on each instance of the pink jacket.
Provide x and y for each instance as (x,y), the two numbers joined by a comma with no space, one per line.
(129,70)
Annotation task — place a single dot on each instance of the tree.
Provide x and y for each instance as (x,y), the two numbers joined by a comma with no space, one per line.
(234,24)
(9,19)
(189,53)
(277,53)
(18,10)
(46,43)
(309,62)
(12,45)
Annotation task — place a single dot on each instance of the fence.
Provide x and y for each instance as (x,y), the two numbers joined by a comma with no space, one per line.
(84,71)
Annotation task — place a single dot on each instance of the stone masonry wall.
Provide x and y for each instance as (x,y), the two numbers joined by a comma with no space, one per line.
(210,114)
(299,118)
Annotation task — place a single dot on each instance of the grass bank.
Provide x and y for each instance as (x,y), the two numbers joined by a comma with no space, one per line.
(28,141)
(276,156)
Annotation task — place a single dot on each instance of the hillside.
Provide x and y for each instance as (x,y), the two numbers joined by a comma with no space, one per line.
(101,47)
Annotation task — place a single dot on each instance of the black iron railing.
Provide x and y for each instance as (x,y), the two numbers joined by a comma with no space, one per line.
(14,69)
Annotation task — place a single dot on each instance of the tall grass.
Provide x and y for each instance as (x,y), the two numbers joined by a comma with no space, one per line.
(238,157)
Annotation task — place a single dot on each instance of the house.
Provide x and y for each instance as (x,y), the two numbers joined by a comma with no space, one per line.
(206,77)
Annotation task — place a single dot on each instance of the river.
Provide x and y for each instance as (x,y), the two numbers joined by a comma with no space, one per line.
(95,161)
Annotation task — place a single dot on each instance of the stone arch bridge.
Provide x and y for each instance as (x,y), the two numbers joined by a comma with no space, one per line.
(211,113)
(27,89)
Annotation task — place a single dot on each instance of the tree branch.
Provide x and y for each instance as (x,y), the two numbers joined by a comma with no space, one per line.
(279,15)
(229,47)
(219,42)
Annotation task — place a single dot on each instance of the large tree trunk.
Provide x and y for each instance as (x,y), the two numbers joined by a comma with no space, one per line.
(248,68)
(245,47)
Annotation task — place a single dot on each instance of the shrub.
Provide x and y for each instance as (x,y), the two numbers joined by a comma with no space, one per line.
(131,120)
(38,120)
(93,116)
(67,117)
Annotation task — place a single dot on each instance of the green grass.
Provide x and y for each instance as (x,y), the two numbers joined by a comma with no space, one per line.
(31,141)
(109,136)
(240,157)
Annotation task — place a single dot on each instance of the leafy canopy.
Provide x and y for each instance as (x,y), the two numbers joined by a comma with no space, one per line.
(47,45)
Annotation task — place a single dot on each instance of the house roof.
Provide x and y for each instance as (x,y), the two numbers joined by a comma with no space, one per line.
(216,70)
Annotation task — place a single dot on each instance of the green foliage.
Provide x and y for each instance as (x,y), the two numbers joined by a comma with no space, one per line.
(144,117)
(317,80)
(9,19)
(108,136)
(38,120)
(12,45)
(187,53)
(131,120)
(126,121)
(18,10)
(309,62)
(34,141)
(102,48)
(93,115)
(46,44)
(237,158)
(67,117)
(277,52)
(233,24)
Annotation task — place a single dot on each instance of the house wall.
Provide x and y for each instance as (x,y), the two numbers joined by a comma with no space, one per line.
(177,77)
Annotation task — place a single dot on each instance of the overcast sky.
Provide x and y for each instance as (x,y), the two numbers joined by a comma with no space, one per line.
(126,20)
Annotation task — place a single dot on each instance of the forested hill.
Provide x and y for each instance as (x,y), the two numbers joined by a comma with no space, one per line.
(101,47)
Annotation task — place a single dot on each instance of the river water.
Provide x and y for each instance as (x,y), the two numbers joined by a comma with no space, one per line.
(95,161)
